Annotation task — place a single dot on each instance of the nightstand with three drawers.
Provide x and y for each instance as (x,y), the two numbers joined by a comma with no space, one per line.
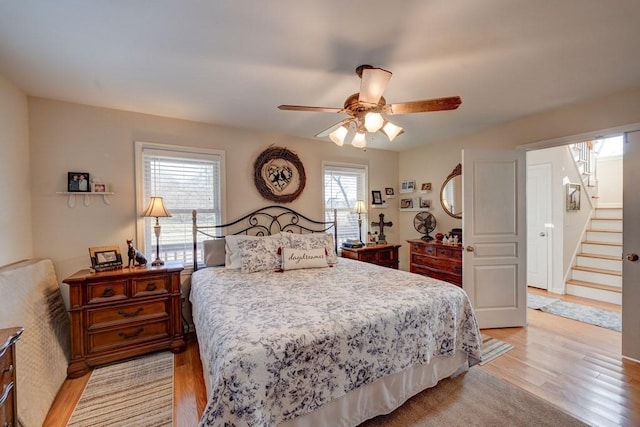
(123,313)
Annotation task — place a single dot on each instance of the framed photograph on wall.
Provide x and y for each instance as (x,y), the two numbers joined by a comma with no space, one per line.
(78,182)
(425,203)
(389,192)
(426,186)
(406,203)
(573,197)
(99,187)
(408,186)
(376,197)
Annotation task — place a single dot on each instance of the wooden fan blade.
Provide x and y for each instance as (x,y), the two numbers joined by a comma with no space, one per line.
(306,108)
(436,104)
(374,82)
(333,127)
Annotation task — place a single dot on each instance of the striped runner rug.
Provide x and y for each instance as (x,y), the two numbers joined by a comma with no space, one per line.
(138,392)
(492,348)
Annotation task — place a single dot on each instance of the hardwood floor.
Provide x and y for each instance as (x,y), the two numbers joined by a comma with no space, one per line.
(574,366)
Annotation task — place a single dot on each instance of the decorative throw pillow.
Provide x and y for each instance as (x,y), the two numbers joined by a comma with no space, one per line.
(260,254)
(232,253)
(313,241)
(293,259)
(214,252)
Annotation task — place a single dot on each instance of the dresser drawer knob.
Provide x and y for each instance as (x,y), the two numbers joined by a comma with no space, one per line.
(151,286)
(134,314)
(132,335)
(108,292)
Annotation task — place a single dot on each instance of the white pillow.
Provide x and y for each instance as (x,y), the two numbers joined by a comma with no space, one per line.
(260,254)
(232,254)
(293,259)
(313,241)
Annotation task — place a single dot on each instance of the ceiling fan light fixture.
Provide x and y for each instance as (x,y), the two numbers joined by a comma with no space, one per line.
(338,135)
(359,140)
(391,130)
(373,122)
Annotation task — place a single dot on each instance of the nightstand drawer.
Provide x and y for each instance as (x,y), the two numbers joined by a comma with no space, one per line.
(98,293)
(368,257)
(6,407)
(149,286)
(105,317)
(112,339)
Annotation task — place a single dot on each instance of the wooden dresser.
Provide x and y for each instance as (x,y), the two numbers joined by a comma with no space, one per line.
(385,255)
(123,313)
(8,396)
(434,259)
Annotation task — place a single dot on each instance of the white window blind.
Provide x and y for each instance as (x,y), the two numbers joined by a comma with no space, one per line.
(343,186)
(186,180)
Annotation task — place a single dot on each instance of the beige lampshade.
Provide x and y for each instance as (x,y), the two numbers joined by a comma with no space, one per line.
(156,208)
(360,207)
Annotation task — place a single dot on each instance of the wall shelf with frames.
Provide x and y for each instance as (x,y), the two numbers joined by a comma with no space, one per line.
(71,201)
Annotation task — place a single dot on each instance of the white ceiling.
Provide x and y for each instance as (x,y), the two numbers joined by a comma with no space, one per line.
(232,62)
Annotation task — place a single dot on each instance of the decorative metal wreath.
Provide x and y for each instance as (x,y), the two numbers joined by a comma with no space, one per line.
(279,175)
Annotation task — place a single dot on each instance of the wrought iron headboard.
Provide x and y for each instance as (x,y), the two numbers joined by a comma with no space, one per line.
(264,222)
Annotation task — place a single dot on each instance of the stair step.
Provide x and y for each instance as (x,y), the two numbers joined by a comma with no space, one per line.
(594,285)
(588,255)
(597,270)
(594,242)
(602,230)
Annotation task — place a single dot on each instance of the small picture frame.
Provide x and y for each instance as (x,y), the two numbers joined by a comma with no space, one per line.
(573,197)
(78,182)
(425,203)
(406,203)
(376,197)
(99,187)
(389,192)
(408,186)
(426,186)
(105,258)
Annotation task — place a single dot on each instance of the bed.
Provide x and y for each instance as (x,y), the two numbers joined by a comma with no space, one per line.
(317,340)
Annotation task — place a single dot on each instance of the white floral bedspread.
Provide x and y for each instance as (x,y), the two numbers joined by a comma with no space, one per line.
(280,345)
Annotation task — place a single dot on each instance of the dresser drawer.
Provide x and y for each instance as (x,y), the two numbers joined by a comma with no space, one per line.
(446,265)
(444,252)
(102,292)
(122,337)
(7,374)
(110,316)
(147,286)
(423,249)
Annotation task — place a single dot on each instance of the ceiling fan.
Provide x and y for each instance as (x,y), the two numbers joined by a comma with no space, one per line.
(366,108)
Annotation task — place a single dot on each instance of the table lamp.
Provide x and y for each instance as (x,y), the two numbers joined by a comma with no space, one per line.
(156,209)
(360,208)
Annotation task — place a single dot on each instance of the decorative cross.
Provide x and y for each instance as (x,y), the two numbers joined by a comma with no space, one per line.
(382,225)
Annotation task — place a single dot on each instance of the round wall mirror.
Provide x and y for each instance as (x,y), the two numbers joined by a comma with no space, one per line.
(451,193)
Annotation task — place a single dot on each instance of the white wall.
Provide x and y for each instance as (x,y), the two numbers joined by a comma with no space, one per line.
(610,182)
(15,183)
(72,137)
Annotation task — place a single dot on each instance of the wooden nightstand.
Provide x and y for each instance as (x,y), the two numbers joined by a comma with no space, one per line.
(123,313)
(384,255)
(8,396)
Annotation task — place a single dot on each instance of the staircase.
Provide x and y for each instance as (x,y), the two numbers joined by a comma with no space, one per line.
(597,273)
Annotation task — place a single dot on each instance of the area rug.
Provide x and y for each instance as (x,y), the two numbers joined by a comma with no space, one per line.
(492,348)
(536,302)
(584,313)
(475,398)
(138,392)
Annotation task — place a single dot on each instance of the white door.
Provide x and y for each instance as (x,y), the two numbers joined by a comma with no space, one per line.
(494,235)
(631,247)
(538,218)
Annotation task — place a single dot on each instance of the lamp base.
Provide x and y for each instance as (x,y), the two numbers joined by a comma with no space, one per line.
(157,262)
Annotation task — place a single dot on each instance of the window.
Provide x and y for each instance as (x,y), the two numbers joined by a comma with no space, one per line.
(187,179)
(343,185)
